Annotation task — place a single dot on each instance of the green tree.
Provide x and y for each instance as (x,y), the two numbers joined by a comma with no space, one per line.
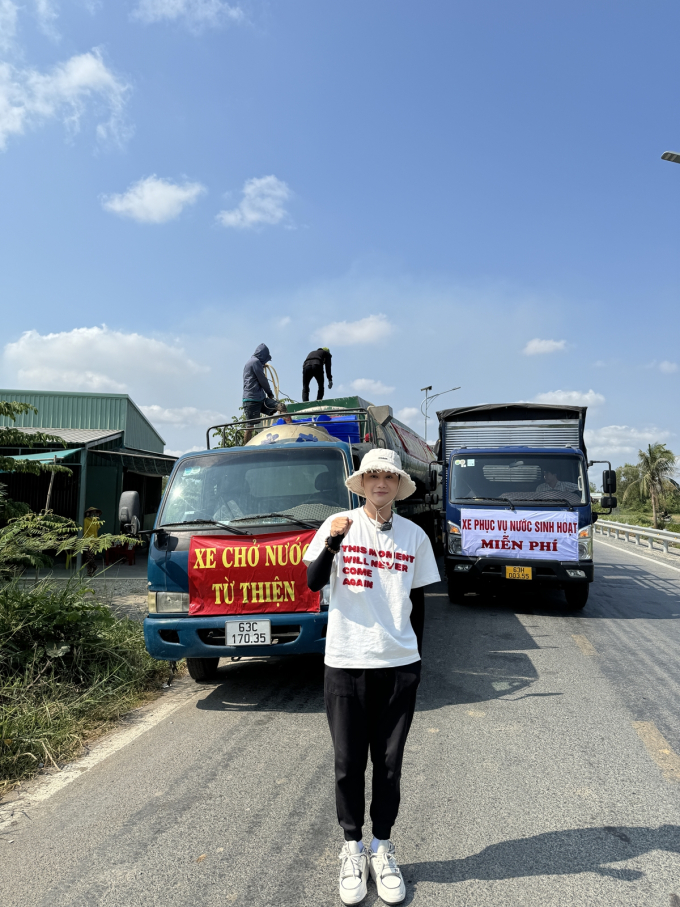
(628,484)
(231,435)
(655,469)
(14,437)
(32,539)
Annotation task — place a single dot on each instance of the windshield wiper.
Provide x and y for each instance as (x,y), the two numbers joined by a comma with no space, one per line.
(207,523)
(500,501)
(284,516)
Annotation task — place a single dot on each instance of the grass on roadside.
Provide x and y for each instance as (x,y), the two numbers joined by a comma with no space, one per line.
(68,670)
(636,518)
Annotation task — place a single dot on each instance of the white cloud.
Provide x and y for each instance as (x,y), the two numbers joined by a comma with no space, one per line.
(668,367)
(29,98)
(412,416)
(614,441)
(182,416)
(571,398)
(153,200)
(9,13)
(263,202)
(371,329)
(369,386)
(46,13)
(284,322)
(538,347)
(197,14)
(94,359)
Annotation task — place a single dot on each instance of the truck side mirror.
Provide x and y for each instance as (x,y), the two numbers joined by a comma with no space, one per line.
(434,476)
(609,482)
(608,501)
(129,512)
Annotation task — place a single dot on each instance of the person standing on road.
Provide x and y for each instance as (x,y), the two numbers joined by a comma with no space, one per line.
(313,367)
(258,397)
(378,564)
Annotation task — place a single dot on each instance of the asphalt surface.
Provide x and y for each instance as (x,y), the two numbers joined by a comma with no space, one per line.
(541,770)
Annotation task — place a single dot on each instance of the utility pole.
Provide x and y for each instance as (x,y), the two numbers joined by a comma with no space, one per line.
(426,389)
(426,402)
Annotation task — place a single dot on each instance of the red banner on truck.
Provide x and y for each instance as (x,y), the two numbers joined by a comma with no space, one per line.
(250,574)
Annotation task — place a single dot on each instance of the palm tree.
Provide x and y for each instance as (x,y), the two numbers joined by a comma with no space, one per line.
(656,466)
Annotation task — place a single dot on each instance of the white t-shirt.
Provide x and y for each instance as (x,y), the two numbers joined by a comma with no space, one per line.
(369,617)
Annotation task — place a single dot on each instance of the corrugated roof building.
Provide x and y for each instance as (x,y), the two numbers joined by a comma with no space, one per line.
(110,412)
(109,446)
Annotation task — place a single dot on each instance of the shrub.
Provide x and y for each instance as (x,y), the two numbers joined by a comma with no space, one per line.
(67,668)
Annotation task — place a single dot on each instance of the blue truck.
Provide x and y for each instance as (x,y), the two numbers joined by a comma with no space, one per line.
(285,481)
(517,503)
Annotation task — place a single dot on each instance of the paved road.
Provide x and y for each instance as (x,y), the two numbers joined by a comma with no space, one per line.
(541,770)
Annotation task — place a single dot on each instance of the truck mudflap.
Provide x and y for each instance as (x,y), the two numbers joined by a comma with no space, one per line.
(171,637)
(474,571)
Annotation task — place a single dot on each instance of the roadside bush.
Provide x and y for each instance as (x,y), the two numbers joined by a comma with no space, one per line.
(68,667)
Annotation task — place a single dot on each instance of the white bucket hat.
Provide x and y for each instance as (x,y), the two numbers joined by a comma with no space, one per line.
(382,460)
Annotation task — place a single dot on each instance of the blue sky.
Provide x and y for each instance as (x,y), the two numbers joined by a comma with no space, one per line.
(444,193)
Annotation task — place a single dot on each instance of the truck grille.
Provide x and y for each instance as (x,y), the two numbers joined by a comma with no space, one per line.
(535,433)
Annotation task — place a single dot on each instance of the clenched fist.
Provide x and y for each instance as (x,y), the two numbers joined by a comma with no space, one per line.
(340,525)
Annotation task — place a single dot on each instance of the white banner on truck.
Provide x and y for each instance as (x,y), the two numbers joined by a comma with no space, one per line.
(541,534)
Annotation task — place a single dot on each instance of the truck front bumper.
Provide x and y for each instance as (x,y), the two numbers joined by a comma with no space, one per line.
(170,637)
(543,572)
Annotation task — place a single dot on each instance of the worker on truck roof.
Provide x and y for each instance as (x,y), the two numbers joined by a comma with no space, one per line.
(258,397)
(313,367)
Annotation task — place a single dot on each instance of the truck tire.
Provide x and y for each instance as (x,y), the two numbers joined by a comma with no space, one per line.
(457,589)
(202,669)
(577,595)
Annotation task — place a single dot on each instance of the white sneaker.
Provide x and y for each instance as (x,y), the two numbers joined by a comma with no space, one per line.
(353,872)
(386,874)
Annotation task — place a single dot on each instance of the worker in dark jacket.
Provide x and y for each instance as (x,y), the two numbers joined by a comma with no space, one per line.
(313,368)
(257,393)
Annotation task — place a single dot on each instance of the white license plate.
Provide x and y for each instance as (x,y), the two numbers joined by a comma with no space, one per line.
(248,633)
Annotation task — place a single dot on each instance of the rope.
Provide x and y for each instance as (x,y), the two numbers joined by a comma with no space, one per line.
(273,379)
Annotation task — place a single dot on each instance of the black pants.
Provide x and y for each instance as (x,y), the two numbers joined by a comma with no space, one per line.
(309,372)
(369,709)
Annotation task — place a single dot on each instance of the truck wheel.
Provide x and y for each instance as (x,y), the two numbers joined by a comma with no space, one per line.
(577,595)
(202,669)
(457,589)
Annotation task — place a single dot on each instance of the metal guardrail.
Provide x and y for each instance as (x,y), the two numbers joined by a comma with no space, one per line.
(638,532)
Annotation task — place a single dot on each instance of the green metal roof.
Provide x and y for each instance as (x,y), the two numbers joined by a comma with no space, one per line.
(60,409)
(48,456)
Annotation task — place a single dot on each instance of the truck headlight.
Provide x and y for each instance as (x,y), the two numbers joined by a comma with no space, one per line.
(455,539)
(167,601)
(585,544)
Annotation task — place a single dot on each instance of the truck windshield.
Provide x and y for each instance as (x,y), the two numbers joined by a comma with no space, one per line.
(306,483)
(530,478)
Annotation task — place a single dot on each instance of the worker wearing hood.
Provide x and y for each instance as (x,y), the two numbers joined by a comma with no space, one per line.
(255,383)
(257,393)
